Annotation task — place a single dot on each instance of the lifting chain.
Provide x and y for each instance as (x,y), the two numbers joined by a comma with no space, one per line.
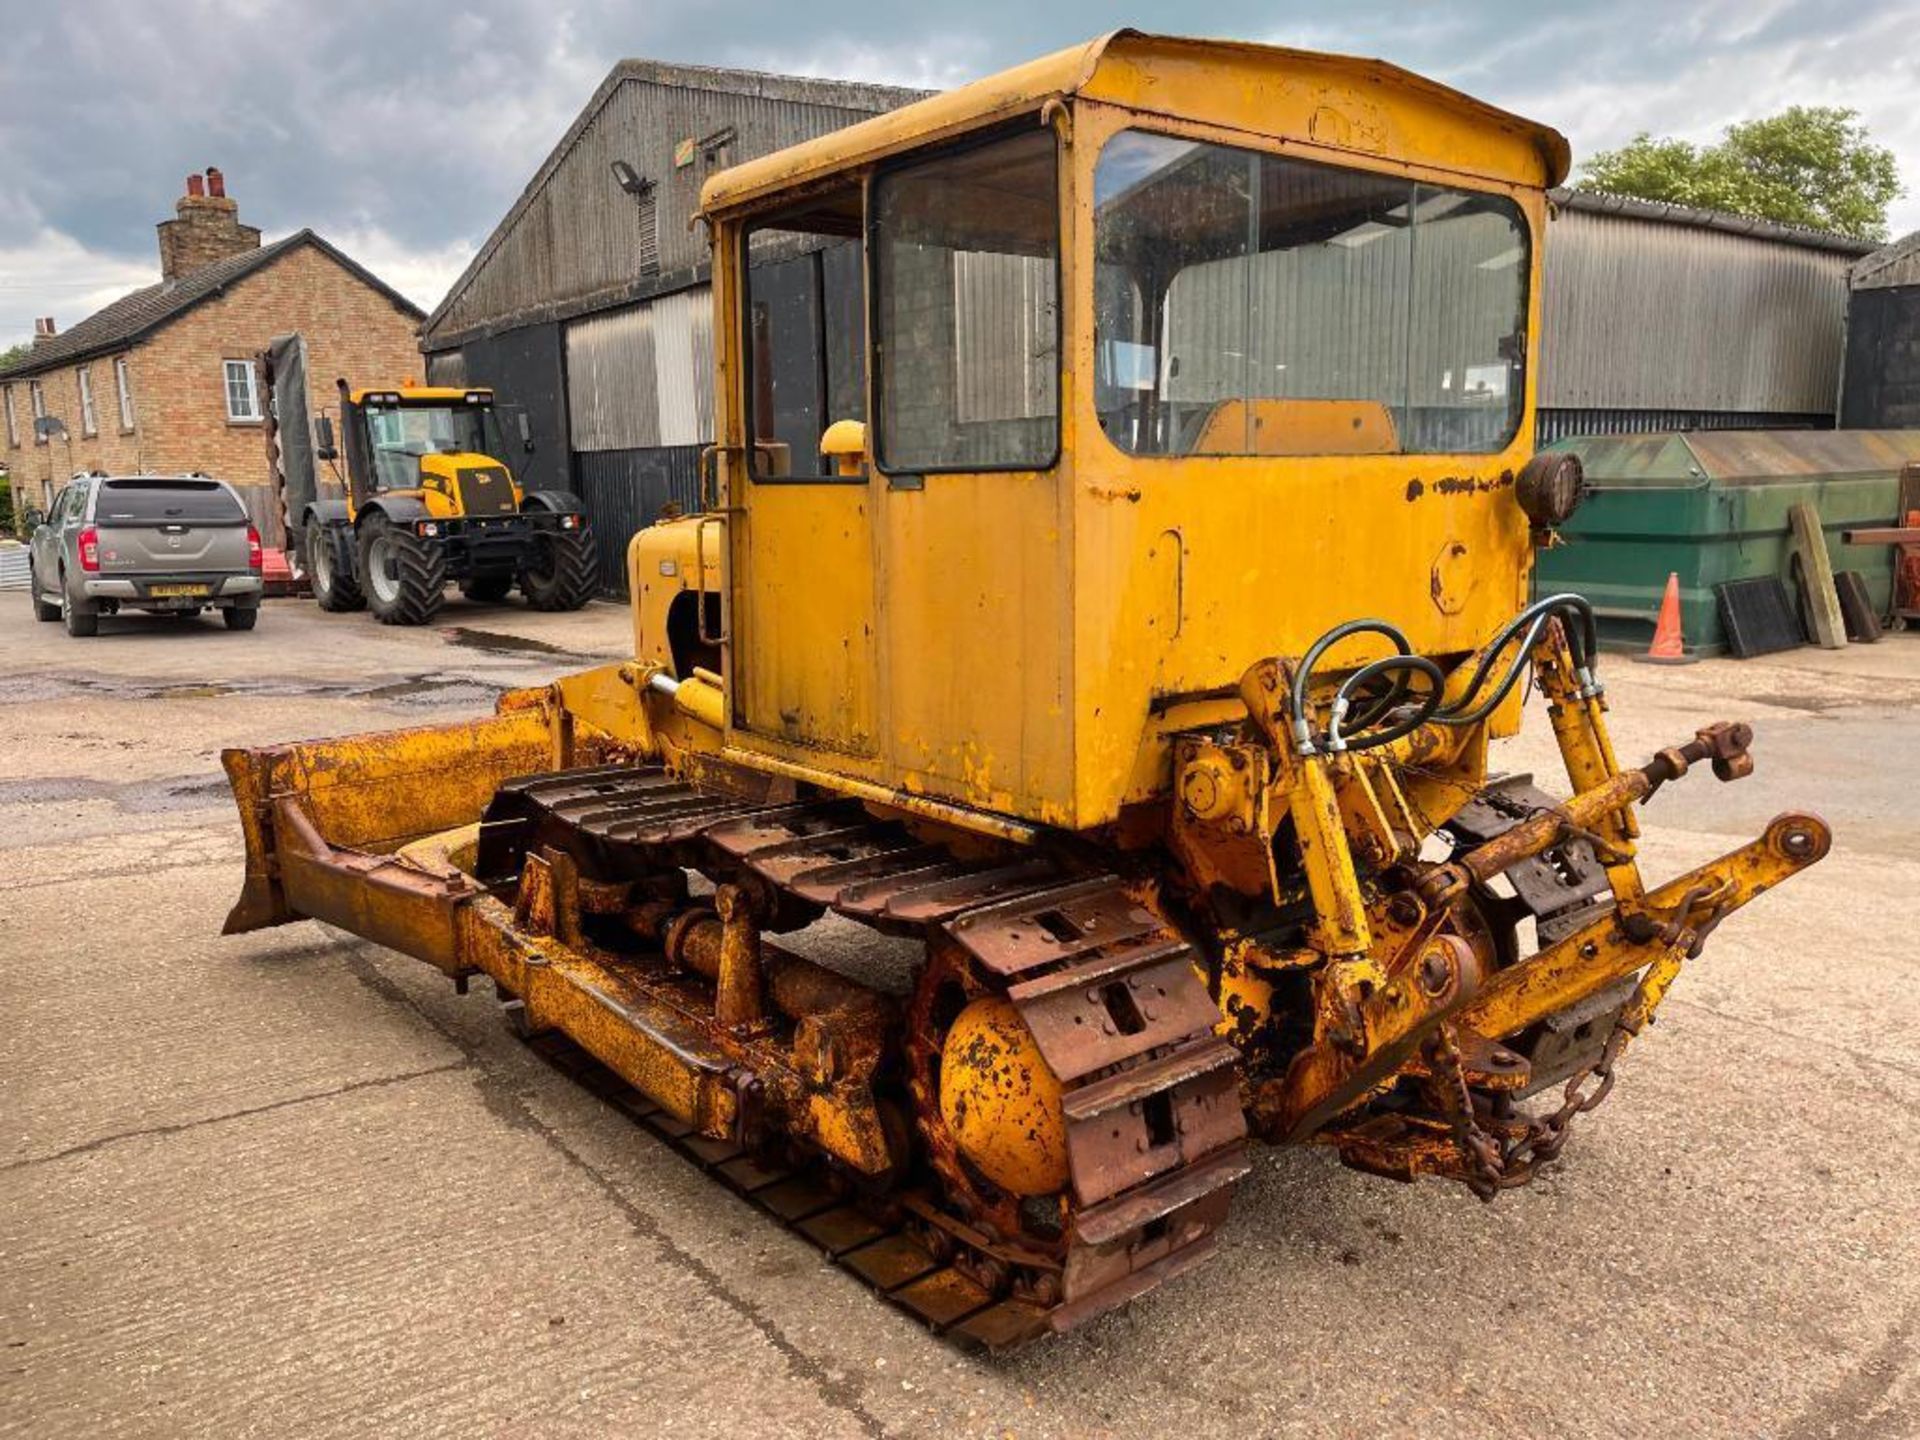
(1491,1163)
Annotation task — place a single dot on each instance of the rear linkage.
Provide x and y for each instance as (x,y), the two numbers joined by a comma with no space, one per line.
(1420,1039)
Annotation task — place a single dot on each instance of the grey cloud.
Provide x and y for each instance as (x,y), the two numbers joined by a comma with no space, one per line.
(420,123)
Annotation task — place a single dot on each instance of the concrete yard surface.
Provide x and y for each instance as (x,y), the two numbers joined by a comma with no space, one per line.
(290,1184)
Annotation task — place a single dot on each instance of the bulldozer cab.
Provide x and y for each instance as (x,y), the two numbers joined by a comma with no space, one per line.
(440,443)
(1170,355)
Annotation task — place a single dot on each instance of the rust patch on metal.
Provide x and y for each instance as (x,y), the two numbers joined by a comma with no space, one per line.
(1473,484)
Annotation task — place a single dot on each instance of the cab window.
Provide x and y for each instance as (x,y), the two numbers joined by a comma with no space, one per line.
(1252,304)
(805,336)
(965,253)
(400,435)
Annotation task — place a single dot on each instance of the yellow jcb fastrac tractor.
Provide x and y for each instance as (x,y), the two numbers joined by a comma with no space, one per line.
(424,500)
(1134,656)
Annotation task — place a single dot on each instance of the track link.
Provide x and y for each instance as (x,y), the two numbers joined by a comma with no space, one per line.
(1154,1125)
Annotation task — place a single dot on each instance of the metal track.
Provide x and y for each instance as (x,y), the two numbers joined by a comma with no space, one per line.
(1560,889)
(1154,1125)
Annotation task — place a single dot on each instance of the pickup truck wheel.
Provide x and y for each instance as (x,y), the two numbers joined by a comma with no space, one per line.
(330,569)
(82,620)
(42,610)
(405,576)
(489,589)
(241,617)
(564,571)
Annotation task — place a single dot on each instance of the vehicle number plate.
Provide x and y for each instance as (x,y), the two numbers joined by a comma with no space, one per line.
(159,590)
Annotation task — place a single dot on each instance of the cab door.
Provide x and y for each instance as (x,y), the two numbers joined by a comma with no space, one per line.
(973,530)
(804,652)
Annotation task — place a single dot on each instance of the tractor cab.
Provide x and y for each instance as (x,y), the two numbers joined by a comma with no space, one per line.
(438,442)
(1163,356)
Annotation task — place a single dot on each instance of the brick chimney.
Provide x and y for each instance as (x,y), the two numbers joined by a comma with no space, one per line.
(43,331)
(206,227)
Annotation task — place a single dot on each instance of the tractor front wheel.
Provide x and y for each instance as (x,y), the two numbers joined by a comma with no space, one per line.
(405,575)
(563,572)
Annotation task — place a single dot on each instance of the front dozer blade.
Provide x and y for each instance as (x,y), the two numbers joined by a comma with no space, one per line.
(374,795)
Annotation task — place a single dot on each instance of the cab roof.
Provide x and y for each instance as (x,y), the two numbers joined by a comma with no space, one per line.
(423,394)
(1335,102)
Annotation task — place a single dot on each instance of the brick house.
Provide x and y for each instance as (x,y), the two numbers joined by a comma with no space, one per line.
(163,379)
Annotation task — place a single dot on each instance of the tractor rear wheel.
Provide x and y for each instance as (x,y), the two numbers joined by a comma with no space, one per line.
(405,575)
(330,569)
(488,589)
(563,572)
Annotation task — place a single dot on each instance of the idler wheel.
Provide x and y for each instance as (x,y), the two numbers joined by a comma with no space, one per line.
(1001,1100)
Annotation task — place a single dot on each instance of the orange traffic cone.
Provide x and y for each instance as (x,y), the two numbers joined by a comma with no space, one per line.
(1669,644)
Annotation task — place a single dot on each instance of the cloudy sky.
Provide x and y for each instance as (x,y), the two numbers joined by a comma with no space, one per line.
(403,131)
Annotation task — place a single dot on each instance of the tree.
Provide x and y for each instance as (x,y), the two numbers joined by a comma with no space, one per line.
(16,353)
(1809,165)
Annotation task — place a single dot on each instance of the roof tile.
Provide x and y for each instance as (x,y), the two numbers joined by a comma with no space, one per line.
(133,316)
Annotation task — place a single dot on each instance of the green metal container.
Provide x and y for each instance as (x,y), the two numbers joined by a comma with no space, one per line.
(1713,505)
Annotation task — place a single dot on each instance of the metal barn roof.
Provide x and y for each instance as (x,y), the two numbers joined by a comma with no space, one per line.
(1600,202)
(1891,266)
(134,316)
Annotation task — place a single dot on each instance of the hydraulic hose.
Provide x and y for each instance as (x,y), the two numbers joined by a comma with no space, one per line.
(1302,729)
(1467,709)
(1401,666)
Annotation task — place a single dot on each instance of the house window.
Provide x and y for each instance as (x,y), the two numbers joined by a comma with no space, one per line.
(243,405)
(13,421)
(89,423)
(39,399)
(123,385)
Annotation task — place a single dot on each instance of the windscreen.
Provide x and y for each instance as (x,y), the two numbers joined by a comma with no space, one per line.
(165,502)
(1252,304)
(399,435)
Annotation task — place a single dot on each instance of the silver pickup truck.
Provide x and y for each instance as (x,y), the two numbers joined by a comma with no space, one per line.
(172,544)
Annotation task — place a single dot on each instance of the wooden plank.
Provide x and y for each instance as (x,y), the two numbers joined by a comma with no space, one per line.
(1816,573)
(1863,624)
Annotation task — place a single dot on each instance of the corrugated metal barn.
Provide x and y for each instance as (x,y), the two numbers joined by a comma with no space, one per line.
(1659,317)
(1881,385)
(589,303)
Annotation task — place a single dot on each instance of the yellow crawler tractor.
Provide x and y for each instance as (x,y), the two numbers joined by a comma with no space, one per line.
(1136,657)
